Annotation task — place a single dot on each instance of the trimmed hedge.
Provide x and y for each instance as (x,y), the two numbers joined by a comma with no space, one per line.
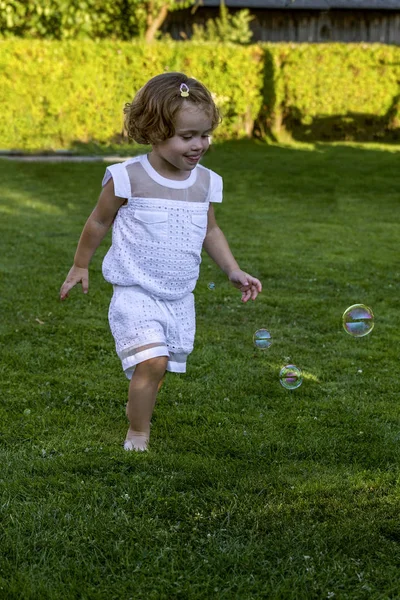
(331,91)
(54,94)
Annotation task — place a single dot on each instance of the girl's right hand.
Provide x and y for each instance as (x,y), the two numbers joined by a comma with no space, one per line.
(75,275)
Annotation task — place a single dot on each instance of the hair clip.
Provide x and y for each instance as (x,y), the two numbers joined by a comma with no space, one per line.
(184,90)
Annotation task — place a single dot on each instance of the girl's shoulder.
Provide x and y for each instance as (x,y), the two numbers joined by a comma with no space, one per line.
(216,184)
(118,172)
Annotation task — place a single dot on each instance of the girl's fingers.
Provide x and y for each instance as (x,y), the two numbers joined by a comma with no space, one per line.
(257,284)
(85,285)
(246,295)
(250,288)
(64,291)
(67,286)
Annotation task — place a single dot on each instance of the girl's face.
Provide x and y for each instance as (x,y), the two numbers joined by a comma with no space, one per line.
(180,154)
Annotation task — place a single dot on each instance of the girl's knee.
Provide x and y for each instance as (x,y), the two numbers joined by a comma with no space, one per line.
(153,367)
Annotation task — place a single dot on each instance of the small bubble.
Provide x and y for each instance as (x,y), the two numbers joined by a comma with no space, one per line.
(290,377)
(211,285)
(262,339)
(27,412)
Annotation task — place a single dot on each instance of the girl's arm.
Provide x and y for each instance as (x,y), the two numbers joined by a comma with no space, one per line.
(95,229)
(217,247)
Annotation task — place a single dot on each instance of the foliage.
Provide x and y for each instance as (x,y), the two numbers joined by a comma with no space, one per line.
(81,19)
(56,93)
(348,86)
(227,27)
(249,491)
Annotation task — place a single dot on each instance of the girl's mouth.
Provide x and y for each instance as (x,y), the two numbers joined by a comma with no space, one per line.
(193,159)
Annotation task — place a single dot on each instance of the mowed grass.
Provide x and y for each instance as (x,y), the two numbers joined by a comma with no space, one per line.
(249,490)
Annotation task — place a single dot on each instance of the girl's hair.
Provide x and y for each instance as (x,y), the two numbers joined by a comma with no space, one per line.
(150,117)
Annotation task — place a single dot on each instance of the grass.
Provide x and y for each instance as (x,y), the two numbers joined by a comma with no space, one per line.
(249,490)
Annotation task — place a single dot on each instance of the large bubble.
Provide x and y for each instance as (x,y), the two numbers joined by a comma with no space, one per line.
(358,320)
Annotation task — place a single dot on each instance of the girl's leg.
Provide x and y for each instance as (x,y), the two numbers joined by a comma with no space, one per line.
(145,383)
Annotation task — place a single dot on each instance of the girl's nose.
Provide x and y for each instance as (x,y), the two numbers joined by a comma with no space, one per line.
(197,143)
(200,143)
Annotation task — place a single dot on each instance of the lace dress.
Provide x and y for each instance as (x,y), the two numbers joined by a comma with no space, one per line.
(154,260)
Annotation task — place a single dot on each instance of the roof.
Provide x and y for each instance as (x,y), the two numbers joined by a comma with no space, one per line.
(310,4)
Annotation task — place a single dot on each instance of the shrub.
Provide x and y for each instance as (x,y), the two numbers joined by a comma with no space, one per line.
(56,93)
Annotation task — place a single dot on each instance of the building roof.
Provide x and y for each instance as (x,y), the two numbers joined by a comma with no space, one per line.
(309,4)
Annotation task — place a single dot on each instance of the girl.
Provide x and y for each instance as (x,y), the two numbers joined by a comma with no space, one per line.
(160,207)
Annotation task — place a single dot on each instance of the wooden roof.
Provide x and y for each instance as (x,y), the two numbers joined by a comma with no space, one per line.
(309,4)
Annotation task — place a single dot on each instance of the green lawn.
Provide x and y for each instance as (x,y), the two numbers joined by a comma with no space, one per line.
(249,490)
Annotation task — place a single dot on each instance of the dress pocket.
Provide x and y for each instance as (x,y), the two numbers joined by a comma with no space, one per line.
(200,221)
(199,230)
(153,223)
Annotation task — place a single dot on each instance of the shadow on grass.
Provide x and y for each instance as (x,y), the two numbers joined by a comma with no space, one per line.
(352,126)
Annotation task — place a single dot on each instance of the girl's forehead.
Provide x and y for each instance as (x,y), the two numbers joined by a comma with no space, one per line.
(192,117)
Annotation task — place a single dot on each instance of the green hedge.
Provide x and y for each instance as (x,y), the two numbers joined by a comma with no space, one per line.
(54,94)
(344,91)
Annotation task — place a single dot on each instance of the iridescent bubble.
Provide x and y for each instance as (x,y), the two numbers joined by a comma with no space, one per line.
(211,285)
(358,320)
(262,339)
(290,377)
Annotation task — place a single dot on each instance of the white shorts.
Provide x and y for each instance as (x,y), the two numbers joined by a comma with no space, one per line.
(145,327)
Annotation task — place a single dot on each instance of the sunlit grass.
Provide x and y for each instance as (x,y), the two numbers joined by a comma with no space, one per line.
(249,490)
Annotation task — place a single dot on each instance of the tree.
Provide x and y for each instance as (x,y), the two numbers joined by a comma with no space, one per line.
(225,28)
(85,19)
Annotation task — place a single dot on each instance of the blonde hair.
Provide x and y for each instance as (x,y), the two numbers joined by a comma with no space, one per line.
(150,117)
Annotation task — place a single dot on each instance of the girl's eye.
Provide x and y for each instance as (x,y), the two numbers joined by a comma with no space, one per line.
(189,137)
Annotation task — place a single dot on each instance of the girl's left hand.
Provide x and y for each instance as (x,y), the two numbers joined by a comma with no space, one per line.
(248,285)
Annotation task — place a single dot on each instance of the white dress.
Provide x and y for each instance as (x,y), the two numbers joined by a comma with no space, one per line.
(154,260)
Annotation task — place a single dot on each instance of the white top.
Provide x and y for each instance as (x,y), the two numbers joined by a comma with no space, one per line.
(158,235)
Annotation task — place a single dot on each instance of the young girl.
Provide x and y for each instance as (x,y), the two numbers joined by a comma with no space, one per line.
(160,206)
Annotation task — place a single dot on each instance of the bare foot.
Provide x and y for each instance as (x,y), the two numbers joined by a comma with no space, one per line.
(136,440)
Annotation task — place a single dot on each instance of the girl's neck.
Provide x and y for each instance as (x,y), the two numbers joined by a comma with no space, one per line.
(165,169)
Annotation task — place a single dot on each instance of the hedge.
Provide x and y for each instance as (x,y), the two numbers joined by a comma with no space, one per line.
(349,89)
(53,94)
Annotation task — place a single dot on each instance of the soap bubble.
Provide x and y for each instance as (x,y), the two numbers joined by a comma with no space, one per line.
(290,377)
(358,320)
(211,285)
(262,339)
